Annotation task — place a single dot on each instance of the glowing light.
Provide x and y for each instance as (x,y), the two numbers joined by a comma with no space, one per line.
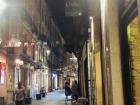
(21,62)
(2,73)
(26,44)
(48,52)
(73,58)
(91,18)
(92,30)
(36,52)
(0,41)
(45,43)
(18,61)
(32,67)
(3,6)
(19,44)
(54,75)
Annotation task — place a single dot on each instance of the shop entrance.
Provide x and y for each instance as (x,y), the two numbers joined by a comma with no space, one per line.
(130,40)
(134,58)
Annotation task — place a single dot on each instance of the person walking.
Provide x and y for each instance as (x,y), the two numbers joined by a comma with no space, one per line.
(74,88)
(67,90)
(19,94)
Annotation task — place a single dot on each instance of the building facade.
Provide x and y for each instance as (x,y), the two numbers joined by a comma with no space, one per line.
(27,33)
(112,53)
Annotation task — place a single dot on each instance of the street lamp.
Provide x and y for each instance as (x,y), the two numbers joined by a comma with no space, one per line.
(3,6)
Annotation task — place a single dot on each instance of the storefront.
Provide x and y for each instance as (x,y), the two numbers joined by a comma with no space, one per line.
(54,80)
(2,72)
(3,76)
(131,55)
(44,79)
(17,75)
(35,83)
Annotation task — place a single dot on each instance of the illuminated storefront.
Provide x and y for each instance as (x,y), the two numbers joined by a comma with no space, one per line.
(38,79)
(134,58)
(18,74)
(2,73)
(44,79)
(54,81)
(35,83)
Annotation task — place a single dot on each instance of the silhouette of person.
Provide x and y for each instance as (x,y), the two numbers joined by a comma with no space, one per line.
(67,90)
(19,94)
(75,92)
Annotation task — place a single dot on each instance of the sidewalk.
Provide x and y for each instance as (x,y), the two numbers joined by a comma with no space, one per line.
(53,98)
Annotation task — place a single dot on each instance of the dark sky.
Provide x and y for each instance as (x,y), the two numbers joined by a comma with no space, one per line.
(71,27)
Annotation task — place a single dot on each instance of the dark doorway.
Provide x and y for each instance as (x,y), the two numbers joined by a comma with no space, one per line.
(86,80)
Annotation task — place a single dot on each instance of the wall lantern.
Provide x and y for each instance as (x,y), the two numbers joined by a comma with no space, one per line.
(48,52)
(19,62)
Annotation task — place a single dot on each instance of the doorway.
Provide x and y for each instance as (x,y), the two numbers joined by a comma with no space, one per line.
(130,49)
(86,80)
(134,58)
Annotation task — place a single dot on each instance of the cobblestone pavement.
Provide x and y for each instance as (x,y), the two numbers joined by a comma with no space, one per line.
(53,98)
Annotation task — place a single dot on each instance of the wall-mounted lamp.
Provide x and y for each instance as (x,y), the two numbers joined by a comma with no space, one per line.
(48,52)
(19,62)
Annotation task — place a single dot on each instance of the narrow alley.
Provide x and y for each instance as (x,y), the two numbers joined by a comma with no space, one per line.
(53,98)
(89,49)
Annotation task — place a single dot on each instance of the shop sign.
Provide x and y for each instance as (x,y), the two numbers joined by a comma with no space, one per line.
(13,43)
(18,43)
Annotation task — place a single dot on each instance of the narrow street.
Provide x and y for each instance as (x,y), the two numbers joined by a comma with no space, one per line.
(53,98)
(91,47)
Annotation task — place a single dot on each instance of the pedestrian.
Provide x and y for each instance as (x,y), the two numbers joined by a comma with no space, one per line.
(67,90)
(43,91)
(19,94)
(75,91)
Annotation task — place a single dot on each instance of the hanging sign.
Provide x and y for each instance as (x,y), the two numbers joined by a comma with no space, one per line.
(73,8)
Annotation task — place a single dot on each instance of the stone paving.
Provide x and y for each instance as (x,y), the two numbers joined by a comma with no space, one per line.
(53,98)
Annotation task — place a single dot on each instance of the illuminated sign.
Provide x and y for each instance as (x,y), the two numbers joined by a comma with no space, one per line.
(13,43)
